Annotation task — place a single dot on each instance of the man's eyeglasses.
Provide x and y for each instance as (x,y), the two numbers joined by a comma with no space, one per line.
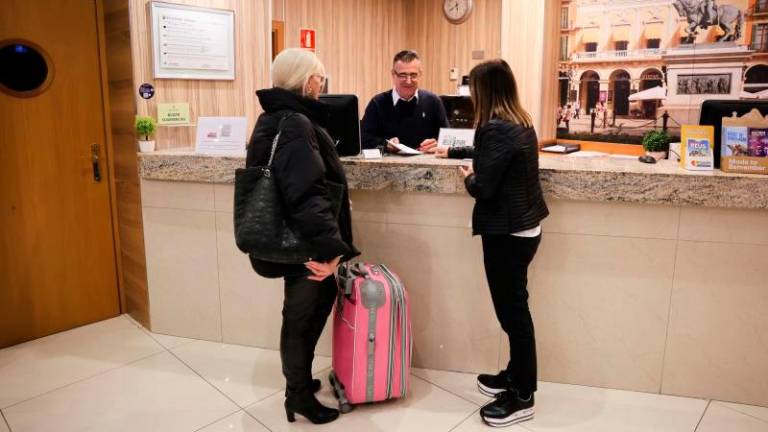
(403,76)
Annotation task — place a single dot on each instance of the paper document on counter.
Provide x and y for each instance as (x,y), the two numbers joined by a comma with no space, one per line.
(403,149)
(221,135)
(452,137)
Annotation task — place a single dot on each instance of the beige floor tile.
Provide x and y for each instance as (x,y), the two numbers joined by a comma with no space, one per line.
(182,272)
(718,324)
(3,425)
(720,418)
(454,326)
(170,342)
(33,368)
(427,408)
(600,307)
(752,410)
(563,407)
(475,424)
(167,341)
(238,422)
(155,394)
(244,374)
(460,384)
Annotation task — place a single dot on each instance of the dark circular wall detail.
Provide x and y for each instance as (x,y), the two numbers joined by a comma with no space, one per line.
(24,69)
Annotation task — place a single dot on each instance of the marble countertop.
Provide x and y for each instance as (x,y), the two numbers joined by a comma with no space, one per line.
(592,178)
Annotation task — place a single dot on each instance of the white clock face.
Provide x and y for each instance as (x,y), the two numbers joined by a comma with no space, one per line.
(457,10)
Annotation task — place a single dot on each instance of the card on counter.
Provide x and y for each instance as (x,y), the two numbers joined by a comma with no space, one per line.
(221,135)
(452,137)
(371,154)
(734,141)
(758,142)
(697,148)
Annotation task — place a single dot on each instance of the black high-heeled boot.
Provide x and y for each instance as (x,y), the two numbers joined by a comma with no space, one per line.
(315,386)
(306,404)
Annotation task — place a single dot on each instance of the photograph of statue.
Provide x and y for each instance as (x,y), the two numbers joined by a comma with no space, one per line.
(700,14)
(629,66)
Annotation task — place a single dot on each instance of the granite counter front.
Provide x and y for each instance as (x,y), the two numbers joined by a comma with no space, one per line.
(648,277)
(606,178)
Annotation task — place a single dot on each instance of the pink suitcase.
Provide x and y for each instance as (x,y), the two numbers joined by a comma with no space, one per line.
(371,336)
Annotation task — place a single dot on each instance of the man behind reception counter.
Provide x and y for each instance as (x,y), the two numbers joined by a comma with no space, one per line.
(405,114)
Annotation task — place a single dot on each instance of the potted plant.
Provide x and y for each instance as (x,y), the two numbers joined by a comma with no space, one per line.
(656,144)
(145,128)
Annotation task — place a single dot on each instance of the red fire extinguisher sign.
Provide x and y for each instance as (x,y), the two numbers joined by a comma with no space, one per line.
(307,39)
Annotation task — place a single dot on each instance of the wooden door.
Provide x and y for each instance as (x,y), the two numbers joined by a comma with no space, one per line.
(278,37)
(57,254)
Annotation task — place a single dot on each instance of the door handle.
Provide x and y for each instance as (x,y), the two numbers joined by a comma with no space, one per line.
(95,163)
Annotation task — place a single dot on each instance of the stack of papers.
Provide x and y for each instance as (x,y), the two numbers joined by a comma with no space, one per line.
(561,148)
(404,149)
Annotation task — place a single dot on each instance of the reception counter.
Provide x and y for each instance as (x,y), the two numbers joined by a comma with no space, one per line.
(648,278)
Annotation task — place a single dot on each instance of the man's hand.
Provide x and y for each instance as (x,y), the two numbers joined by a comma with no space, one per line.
(427,145)
(439,151)
(320,271)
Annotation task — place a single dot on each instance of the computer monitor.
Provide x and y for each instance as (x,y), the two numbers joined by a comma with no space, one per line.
(713,111)
(344,124)
(460,111)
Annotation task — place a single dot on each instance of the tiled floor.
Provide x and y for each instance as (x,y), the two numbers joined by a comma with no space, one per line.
(115,376)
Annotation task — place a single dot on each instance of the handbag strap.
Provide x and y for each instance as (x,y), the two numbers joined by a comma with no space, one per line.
(277,137)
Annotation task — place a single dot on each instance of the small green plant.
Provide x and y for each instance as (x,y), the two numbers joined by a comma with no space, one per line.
(656,141)
(145,126)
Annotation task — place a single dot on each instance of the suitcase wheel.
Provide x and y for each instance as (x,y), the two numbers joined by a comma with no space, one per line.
(338,392)
(345,407)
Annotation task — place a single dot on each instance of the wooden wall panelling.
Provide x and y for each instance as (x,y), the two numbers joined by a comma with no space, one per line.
(443,45)
(530,47)
(122,107)
(278,10)
(356,40)
(207,97)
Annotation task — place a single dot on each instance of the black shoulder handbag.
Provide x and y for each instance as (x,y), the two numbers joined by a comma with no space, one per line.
(261,228)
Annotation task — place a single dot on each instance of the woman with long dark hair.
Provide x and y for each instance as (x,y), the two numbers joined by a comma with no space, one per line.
(509,206)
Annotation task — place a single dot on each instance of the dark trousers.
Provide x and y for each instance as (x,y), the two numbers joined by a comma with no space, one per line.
(506,261)
(306,308)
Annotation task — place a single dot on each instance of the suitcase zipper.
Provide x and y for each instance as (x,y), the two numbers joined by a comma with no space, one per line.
(398,311)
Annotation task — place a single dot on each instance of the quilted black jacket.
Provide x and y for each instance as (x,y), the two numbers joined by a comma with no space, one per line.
(506,187)
(305,158)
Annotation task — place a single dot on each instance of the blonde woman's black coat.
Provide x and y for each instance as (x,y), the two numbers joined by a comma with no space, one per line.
(304,160)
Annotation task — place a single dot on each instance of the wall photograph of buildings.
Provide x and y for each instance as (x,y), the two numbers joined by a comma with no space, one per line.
(629,66)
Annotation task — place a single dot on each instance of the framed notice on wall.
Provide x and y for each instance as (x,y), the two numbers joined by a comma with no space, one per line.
(190,42)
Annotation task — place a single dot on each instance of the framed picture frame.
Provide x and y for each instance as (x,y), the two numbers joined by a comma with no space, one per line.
(190,42)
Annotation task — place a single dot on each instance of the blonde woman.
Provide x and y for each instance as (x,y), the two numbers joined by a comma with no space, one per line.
(509,206)
(304,162)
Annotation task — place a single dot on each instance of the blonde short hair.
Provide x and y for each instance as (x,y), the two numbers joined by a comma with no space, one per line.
(293,67)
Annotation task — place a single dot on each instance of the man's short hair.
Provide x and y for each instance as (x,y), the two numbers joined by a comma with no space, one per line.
(405,56)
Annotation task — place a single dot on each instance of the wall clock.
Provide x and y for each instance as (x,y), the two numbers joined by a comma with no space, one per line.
(457,11)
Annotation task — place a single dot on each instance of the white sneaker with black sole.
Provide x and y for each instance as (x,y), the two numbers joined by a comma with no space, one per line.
(507,409)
